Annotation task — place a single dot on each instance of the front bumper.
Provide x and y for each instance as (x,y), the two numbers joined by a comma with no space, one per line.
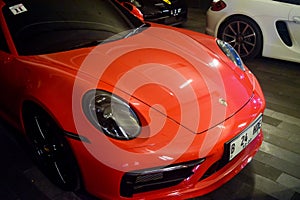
(198,169)
(200,176)
(171,17)
(198,173)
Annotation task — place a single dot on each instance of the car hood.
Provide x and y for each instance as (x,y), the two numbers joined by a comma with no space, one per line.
(168,71)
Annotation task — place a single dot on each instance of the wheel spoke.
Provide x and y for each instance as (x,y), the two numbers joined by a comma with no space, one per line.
(239,49)
(39,127)
(245,49)
(238,27)
(59,172)
(249,43)
(249,36)
(232,29)
(246,28)
(230,36)
(234,45)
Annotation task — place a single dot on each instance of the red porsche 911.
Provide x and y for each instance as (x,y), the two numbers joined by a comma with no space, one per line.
(122,108)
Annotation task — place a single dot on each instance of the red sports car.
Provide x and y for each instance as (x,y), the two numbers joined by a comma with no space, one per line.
(123,108)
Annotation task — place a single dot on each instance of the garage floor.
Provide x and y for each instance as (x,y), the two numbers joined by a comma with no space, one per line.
(273,174)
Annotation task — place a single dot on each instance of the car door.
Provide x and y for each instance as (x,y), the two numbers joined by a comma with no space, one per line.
(287,47)
(10,81)
(5,59)
(294,25)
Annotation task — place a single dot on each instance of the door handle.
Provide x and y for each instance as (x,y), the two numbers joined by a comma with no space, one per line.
(296,19)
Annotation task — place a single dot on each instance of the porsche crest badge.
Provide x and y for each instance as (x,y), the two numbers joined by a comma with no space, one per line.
(223,102)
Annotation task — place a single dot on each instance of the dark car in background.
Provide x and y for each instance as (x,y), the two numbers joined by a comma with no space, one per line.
(170,12)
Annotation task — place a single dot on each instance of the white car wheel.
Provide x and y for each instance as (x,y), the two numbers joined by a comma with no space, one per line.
(243,34)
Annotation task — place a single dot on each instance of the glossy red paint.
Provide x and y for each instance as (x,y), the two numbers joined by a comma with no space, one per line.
(133,9)
(182,118)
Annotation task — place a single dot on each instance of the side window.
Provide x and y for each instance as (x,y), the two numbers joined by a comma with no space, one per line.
(295,2)
(3,43)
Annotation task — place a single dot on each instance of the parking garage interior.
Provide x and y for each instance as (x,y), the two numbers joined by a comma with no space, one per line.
(272,174)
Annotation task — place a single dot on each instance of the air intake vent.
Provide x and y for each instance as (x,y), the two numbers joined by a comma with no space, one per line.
(156,178)
(284,33)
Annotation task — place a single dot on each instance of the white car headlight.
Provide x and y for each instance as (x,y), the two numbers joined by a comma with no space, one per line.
(231,53)
(111,115)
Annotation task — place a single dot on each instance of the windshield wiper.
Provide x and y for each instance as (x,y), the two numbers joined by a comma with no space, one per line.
(93,43)
(87,44)
(135,31)
(111,39)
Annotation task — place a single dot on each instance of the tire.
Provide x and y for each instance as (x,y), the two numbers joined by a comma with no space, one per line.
(243,34)
(50,149)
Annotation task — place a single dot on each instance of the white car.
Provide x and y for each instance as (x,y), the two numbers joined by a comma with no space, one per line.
(269,28)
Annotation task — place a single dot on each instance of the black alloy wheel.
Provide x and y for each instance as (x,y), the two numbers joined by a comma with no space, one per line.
(243,34)
(50,149)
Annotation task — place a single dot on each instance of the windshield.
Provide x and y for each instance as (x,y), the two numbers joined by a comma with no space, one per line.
(47,26)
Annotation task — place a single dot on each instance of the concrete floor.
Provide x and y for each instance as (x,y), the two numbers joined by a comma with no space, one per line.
(273,174)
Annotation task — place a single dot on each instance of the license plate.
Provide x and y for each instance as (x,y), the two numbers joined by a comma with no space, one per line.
(241,141)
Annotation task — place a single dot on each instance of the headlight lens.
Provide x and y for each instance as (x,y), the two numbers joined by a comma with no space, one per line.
(231,53)
(111,115)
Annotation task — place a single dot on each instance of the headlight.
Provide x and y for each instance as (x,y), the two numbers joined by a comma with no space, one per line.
(111,115)
(231,54)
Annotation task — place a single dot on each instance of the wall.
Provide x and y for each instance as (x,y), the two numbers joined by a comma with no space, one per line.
(203,4)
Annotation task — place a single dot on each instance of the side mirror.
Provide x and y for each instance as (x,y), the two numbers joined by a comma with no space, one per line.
(133,9)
